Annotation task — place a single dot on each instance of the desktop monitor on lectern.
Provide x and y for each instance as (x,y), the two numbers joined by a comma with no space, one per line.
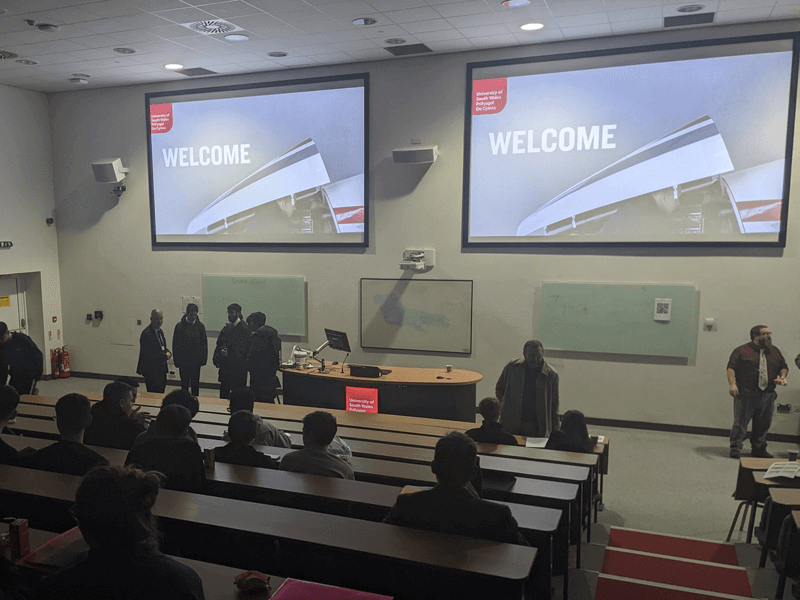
(337,340)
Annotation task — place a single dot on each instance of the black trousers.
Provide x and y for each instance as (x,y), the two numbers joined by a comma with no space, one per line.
(230,381)
(156,381)
(190,377)
(22,380)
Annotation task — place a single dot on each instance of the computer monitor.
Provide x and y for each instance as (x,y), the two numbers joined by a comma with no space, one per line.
(337,340)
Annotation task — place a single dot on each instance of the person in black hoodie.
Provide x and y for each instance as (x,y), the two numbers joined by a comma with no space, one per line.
(20,358)
(190,349)
(491,431)
(230,355)
(115,420)
(263,359)
(242,428)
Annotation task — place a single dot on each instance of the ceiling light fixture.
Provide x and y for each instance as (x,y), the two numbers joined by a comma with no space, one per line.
(690,8)
(173,66)
(24,61)
(277,54)
(3,11)
(531,26)
(5,54)
(81,75)
(394,41)
(45,27)
(78,81)
(237,37)
(125,50)
(364,21)
(516,3)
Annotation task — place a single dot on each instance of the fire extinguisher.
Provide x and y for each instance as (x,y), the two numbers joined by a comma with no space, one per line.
(54,362)
(63,358)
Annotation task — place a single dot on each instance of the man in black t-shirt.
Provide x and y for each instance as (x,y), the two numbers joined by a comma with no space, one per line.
(69,455)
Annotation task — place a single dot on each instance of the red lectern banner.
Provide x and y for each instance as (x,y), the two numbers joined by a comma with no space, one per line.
(363,400)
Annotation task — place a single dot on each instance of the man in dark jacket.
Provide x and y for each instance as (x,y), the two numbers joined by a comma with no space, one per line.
(490,431)
(190,349)
(451,507)
(20,358)
(153,354)
(115,420)
(230,355)
(263,360)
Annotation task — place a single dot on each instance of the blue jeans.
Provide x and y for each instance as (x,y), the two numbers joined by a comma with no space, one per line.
(756,406)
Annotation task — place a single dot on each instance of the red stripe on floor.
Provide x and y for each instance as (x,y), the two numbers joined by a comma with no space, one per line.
(724,554)
(706,577)
(613,589)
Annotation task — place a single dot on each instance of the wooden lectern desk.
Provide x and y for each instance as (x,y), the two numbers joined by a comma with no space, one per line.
(408,391)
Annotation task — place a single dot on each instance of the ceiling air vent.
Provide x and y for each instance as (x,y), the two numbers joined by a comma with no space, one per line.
(196,72)
(408,49)
(215,26)
(4,54)
(692,19)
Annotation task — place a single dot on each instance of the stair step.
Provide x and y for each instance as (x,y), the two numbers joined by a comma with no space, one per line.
(669,545)
(611,587)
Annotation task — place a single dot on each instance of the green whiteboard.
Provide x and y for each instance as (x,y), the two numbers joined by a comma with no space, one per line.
(282,299)
(617,319)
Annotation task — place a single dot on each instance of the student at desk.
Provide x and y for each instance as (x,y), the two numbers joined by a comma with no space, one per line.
(242,428)
(113,510)
(319,429)
(9,400)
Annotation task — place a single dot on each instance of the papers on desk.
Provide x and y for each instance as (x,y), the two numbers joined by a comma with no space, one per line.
(535,442)
(782,469)
(303,590)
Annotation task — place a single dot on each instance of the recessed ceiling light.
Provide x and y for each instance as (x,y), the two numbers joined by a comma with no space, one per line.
(3,11)
(237,37)
(24,61)
(690,8)
(516,3)
(173,67)
(394,41)
(5,55)
(531,26)
(45,27)
(125,50)
(277,54)
(364,21)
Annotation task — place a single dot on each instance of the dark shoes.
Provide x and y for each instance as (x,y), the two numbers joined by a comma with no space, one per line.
(762,453)
(735,453)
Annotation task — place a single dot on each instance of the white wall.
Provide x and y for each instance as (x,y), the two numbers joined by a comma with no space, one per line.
(107,262)
(26,201)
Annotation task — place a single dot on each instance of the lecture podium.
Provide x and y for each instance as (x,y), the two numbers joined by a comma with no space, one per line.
(407,391)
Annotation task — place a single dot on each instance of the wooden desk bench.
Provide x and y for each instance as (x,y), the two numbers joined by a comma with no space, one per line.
(403,562)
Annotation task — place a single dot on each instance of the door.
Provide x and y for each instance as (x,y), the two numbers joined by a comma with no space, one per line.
(10,311)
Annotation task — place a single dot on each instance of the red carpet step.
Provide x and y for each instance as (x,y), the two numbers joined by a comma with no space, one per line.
(674,571)
(658,543)
(612,588)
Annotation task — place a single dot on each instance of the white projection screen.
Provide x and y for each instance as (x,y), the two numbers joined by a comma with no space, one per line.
(260,165)
(674,145)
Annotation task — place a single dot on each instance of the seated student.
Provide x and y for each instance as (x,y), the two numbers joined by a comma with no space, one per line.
(452,506)
(113,510)
(179,397)
(491,431)
(172,453)
(69,455)
(133,382)
(266,433)
(319,429)
(242,428)
(9,400)
(115,420)
(574,436)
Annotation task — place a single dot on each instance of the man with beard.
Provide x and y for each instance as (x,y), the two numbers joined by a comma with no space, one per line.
(754,370)
(230,355)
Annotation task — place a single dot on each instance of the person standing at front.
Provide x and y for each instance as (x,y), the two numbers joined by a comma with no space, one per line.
(190,347)
(153,354)
(230,355)
(754,369)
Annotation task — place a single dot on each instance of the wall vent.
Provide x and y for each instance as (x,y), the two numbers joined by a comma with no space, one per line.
(408,49)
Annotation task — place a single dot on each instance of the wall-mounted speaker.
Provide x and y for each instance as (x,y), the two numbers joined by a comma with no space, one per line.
(415,154)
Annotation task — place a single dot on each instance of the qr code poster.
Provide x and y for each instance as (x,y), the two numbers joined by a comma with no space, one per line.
(663,309)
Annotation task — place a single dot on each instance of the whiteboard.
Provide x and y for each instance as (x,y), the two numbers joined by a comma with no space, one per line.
(429,315)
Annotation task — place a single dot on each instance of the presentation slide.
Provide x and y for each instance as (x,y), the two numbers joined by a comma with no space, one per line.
(276,164)
(687,146)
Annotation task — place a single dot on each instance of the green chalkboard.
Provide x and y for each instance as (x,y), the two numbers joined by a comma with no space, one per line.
(618,319)
(282,299)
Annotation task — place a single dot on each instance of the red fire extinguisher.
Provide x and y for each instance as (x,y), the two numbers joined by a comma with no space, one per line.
(63,358)
(54,362)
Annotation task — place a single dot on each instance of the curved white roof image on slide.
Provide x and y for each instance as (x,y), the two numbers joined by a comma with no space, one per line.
(694,151)
(299,168)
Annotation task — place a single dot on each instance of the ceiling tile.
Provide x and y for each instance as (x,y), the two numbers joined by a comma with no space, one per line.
(483,30)
(567,8)
(630,4)
(111,8)
(60,16)
(734,4)
(411,15)
(387,31)
(273,5)
(373,54)
(439,36)
(96,41)
(107,26)
(493,41)
(346,9)
(671,10)
(387,5)
(185,15)
(583,20)
(172,32)
(333,58)
(587,31)
(741,15)
(262,21)
(228,10)
(423,26)
(42,48)
(153,5)
(312,50)
(458,9)
(475,20)
(294,61)
(354,45)
(788,11)
(451,45)
(552,34)
(142,21)
(636,14)
(260,65)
